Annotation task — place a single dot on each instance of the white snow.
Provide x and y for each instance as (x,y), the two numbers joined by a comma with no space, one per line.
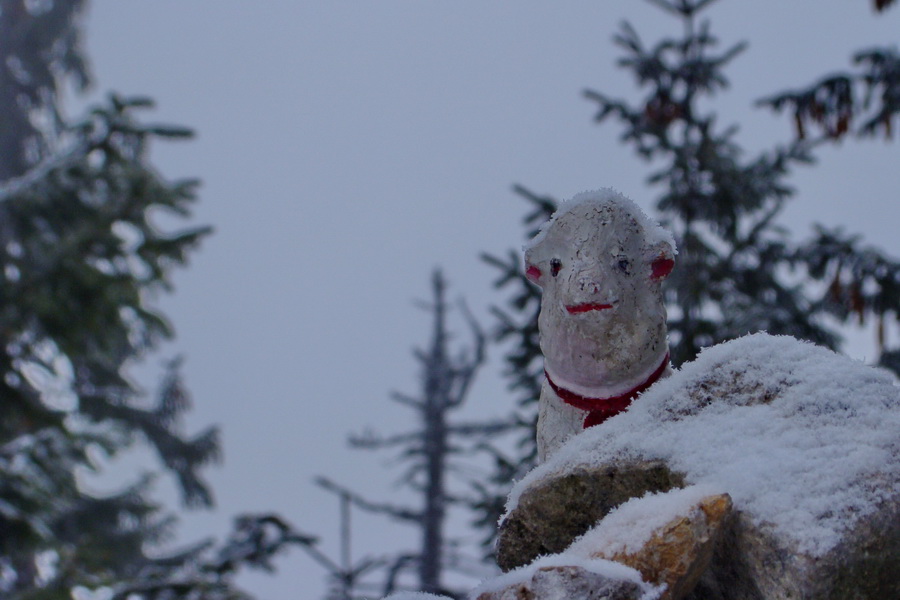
(807,463)
(653,231)
(415,596)
(632,524)
(606,568)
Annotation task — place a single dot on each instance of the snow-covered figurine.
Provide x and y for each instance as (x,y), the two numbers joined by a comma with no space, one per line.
(600,262)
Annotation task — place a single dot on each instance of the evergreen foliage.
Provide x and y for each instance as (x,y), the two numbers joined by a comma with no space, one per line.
(737,271)
(41,48)
(832,105)
(82,258)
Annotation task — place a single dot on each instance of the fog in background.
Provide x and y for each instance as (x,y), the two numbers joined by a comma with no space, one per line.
(348,148)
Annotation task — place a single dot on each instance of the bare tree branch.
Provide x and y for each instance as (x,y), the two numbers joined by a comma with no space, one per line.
(370,440)
(407,400)
(427,453)
(396,512)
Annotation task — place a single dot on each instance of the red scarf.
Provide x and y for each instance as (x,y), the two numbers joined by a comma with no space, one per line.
(600,409)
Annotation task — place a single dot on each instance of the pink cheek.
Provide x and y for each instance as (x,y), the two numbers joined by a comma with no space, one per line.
(661,268)
(533,273)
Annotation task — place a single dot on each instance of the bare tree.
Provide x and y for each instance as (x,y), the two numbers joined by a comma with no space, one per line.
(429,451)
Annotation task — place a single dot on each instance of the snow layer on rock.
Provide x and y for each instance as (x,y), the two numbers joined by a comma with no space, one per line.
(606,568)
(653,231)
(628,527)
(415,596)
(819,450)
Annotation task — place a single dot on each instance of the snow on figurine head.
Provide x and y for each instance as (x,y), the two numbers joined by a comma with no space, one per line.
(600,262)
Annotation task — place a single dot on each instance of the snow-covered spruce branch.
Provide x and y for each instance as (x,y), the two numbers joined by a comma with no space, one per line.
(65,158)
(256,539)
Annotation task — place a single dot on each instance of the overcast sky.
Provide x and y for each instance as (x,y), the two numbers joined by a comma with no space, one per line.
(348,148)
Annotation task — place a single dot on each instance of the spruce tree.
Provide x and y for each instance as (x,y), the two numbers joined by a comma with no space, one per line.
(81,262)
(40,44)
(738,270)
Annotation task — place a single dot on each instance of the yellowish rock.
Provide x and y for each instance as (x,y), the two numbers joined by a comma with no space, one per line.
(679,552)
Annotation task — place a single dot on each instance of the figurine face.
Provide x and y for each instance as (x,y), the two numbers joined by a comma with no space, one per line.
(602,308)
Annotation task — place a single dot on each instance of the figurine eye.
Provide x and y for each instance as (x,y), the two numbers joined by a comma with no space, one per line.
(555,266)
(624,265)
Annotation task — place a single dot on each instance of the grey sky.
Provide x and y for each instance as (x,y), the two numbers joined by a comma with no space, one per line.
(347,148)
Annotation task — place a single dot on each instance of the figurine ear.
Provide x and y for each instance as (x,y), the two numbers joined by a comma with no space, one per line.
(662,261)
(533,273)
(661,267)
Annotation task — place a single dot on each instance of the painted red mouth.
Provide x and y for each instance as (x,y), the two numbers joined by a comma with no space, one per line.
(583,308)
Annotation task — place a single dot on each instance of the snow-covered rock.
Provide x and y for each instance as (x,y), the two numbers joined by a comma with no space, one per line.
(806,442)
(415,596)
(553,512)
(567,577)
(600,262)
(669,538)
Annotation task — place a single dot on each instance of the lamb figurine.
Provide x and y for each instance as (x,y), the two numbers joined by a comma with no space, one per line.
(600,262)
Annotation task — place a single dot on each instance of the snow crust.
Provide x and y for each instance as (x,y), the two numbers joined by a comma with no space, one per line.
(632,524)
(606,568)
(817,451)
(415,596)
(653,231)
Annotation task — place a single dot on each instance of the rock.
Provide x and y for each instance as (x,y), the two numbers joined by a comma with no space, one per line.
(415,596)
(679,552)
(552,514)
(568,583)
(755,564)
(806,443)
(576,583)
(664,540)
